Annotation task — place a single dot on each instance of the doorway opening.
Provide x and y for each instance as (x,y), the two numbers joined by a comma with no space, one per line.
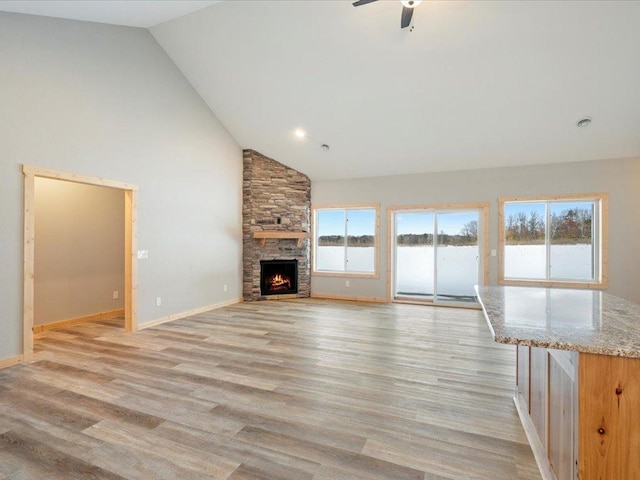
(130,245)
(438,253)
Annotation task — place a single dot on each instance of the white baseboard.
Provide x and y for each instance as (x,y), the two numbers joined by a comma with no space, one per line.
(189,313)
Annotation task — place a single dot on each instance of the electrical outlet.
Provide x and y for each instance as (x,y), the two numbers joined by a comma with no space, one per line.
(116,294)
(494,252)
(225,288)
(346,283)
(158,301)
(143,254)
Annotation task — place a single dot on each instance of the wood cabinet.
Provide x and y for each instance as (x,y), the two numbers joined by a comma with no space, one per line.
(551,407)
(579,406)
(580,413)
(609,427)
(562,412)
(522,378)
(539,390)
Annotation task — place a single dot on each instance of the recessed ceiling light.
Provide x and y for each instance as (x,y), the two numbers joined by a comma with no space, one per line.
(300,133)
(584,122)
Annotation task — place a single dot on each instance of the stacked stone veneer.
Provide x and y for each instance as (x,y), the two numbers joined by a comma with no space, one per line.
(275,198)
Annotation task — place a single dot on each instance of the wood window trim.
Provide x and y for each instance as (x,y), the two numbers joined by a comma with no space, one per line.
(602,284)
(376,254)
(484,217)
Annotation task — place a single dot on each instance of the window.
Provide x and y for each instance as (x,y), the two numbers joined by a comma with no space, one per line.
(554,241)
(346,240)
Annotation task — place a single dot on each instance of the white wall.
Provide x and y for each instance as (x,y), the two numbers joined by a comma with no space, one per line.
(106,101)
(620,178)
(79,250)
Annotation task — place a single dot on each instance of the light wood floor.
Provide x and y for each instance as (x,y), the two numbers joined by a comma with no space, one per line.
(296,390)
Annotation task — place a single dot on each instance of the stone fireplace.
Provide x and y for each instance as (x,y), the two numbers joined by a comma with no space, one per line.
(275,227)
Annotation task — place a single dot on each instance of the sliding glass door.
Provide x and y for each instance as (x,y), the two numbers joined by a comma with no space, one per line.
(414,255)
(437,256)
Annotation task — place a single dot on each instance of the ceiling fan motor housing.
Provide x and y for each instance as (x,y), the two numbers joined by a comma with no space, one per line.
(407,9)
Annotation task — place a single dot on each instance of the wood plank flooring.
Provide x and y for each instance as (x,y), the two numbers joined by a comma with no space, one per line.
(278,390)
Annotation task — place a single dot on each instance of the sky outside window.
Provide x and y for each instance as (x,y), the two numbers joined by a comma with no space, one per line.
(451,223)
(330,222)
(361,222)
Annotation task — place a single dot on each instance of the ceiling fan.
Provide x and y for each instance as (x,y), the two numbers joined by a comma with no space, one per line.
(407,9)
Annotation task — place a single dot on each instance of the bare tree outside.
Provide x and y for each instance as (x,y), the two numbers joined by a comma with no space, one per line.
(568,226)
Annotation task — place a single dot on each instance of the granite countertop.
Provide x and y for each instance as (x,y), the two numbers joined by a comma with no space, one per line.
(565,319)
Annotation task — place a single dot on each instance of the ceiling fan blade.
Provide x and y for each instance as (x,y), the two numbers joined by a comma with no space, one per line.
(363,2)
(407,13)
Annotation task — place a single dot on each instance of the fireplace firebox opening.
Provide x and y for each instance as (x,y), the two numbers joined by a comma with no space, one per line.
(278,277)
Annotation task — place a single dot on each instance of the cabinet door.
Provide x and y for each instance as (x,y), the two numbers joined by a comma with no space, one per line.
(538,394)
(523,374)
(562,412)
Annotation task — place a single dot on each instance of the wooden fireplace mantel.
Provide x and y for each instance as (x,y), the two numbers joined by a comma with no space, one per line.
(299,236)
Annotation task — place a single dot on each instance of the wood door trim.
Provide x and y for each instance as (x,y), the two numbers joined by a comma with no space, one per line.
(29,267)
(131,246)
(76,177)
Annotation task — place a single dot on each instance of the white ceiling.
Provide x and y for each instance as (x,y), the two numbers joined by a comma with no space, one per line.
(475,84)
(132,13)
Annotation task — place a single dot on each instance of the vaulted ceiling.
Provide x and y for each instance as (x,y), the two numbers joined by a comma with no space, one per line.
(473,84)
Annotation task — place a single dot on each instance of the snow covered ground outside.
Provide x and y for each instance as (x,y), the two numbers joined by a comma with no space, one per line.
(457,270)
(567,261)
(457,266)
(361,259)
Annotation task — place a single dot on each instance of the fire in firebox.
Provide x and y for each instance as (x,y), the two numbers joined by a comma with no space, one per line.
(278,277)
(279,282)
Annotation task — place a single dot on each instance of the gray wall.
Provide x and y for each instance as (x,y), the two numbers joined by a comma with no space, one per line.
(107,101)
(619,178)
(79,250)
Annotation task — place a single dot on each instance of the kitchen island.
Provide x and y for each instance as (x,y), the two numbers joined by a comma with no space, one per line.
(578,377)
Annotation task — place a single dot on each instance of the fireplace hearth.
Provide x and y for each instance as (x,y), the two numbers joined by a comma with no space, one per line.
(278,277)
